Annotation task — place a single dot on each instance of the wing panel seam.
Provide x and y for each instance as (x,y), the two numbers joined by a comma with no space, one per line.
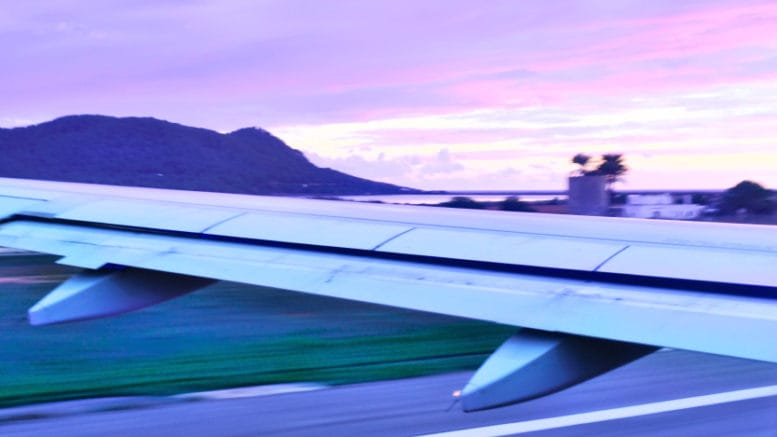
(596,269)
(221,222)
(392,238)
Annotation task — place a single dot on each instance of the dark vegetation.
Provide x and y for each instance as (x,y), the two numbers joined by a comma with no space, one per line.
(463,202)
(511,203)
(154,153)
(749,197)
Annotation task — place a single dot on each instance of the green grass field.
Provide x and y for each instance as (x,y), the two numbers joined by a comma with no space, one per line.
(227,335)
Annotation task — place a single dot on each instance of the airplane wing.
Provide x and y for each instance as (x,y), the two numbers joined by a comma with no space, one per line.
(593,293)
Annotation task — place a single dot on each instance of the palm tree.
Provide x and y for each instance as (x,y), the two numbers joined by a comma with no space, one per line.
(612,168)
(581,160)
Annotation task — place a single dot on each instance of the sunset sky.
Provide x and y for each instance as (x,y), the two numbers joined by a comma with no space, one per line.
(434,94)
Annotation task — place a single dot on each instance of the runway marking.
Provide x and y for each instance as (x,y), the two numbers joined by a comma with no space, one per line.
(612,414)
(250,392)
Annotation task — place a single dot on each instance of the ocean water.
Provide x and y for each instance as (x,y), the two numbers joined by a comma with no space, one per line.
(417,199)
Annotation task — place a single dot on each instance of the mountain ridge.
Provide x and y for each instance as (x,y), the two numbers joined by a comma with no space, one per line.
(148,152)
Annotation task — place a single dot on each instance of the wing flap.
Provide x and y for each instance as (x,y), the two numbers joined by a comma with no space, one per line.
(178,217)
(310,230)
(709,264)
(506,248)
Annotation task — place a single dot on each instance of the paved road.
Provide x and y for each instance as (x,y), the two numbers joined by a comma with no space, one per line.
(418,406)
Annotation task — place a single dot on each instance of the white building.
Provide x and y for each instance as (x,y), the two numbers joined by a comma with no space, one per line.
(661,206)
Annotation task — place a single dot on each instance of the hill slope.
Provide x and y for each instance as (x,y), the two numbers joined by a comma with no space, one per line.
(154,153)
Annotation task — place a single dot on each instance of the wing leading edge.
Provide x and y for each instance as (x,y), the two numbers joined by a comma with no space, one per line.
(634,285)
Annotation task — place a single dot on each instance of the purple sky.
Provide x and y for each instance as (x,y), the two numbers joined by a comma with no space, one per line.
(437,94)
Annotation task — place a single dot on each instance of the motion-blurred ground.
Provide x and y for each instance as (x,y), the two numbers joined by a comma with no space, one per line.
(227,335)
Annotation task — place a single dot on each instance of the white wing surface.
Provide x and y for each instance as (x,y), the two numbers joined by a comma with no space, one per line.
(596,292)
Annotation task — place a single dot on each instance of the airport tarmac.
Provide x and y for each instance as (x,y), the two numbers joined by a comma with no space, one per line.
(667,393)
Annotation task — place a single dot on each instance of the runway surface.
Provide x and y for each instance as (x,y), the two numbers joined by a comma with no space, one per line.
(710,396)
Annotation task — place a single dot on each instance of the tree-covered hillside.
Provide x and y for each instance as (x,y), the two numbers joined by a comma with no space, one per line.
(154,153)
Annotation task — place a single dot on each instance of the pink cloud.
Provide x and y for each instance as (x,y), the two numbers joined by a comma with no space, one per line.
(226,65)
(700,31)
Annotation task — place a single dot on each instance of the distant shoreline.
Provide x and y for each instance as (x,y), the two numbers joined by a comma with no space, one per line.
(564,192)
